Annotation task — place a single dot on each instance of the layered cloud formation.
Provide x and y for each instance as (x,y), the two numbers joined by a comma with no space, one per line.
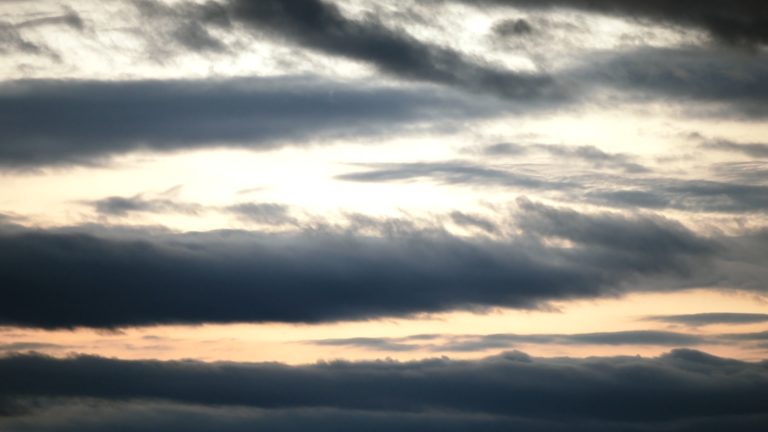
(203,197)
(510,390)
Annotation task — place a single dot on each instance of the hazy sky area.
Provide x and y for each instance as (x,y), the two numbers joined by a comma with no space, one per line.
(435,215)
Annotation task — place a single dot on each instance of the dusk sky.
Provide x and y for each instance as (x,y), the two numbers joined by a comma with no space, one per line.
(345,215)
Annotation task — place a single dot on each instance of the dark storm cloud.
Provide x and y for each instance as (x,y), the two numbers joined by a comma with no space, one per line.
(322,26)
(741,22)
(130,278)
(701,319)
(61,122)
(612,389)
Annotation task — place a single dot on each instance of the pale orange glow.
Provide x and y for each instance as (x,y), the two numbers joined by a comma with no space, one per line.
(291,343)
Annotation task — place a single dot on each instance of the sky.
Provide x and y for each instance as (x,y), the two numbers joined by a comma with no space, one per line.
(330,215)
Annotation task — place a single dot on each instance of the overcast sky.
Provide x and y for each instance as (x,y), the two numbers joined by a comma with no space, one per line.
(290,215)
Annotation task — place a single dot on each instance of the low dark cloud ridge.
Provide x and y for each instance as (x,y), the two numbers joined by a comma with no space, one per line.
(76,122)
(740,22)
(152,417)
(694,385)
(236,276)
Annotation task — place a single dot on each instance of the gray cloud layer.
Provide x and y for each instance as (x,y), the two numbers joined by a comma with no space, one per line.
(620,391)
(50,122)
(326,275)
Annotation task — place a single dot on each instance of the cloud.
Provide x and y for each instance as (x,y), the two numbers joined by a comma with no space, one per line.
(625,390)
(739,22)
(470,343)
(514,27)
(169,202)
(756,150)
(656,235)
(321,26)
(98,277)
(81,122)
(70,19)
(185,25)
(123,206)
(13,39)
(263,213)
(646,192)
(91,416)
(758,336)
(451,172)
(679,76)
(690,195)
(473,221)
(753,172)
(505,149)
(377,344)
(30,346)
(710,318)
(592,155)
